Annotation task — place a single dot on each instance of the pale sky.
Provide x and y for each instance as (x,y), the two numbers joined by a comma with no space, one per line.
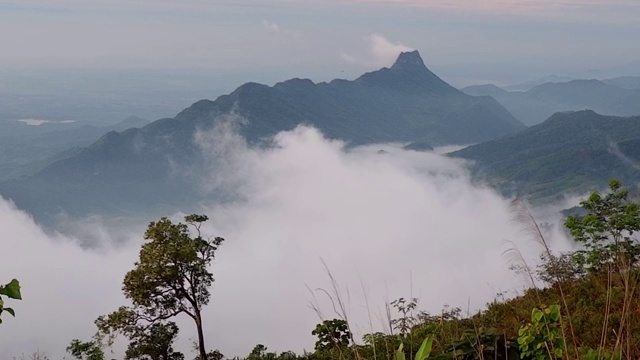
(314,38)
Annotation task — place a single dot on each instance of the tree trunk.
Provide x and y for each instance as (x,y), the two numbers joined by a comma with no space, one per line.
(203,351)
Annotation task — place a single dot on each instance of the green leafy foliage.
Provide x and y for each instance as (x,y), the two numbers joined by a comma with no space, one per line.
(331,334)
(591,354)
(259,352)
(11,291)
(541,338)
(405,308)
(422,354)
(425,349)
(399,355)
(560,268)
(88,350)
(606,231)
(171,277)
(213,355)
(480,342)
(154,343)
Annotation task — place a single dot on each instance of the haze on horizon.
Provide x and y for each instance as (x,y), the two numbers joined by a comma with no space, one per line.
(467,42)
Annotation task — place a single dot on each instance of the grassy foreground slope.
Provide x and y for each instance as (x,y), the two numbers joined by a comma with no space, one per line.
(579,305)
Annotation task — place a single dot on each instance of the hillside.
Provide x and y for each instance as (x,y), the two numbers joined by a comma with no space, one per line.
(406,102)
(571,151)
(539,103)
(625,82)
(143,168)
(485,90)
(24,149)
(528,85)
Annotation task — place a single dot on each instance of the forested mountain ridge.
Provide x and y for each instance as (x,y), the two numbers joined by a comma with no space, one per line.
(569,152)
(406,102)
(140,168)
(625,82)
(539,103)
(25,149)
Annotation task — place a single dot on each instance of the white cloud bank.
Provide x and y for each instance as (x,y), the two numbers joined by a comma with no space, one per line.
(402,223)
(270,26)
(382,51)
(63,287)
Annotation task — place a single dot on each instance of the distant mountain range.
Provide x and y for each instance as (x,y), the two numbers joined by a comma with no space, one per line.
(618,97)
(571,152)
(24,149)
(528,85)
(630,68)
(625,82)
(143,168)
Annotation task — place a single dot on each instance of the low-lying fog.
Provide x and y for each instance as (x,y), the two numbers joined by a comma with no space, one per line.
(388,224)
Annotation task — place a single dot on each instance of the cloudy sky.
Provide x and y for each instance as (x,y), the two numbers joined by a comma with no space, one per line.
(468,40)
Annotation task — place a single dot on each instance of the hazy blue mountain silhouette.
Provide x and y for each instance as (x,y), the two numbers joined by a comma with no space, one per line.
(144,168)
(609,97)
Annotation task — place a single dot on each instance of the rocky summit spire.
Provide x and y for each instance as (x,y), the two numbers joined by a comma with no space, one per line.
(409,60)
(409,72)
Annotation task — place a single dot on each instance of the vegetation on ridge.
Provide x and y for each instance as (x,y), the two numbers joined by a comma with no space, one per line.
(571,152)
(11,291)
(171,277)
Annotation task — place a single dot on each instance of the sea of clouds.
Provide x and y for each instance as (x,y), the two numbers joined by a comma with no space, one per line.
(387,224)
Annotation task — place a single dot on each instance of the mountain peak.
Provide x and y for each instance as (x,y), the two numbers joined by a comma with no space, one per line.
(408,73)
(409,60)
